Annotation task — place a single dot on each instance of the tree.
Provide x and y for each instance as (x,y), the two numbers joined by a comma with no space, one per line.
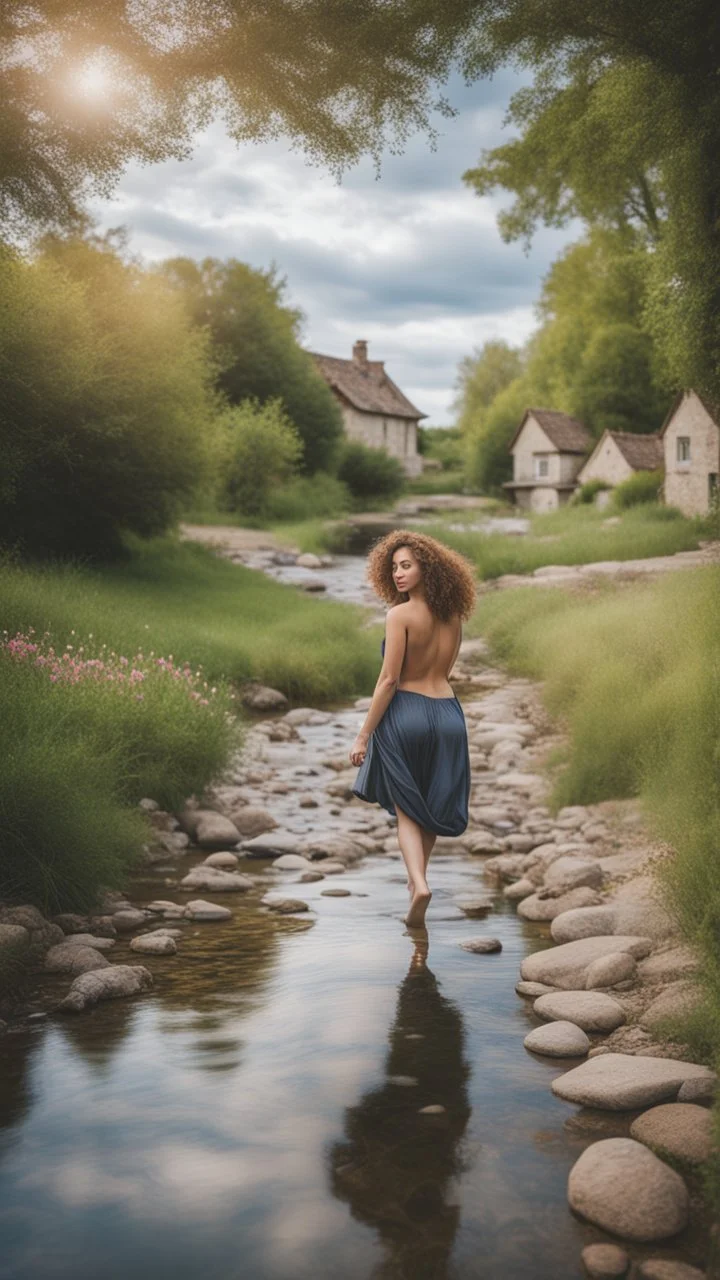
(255,338)
(262,449)
(615,388)
(489,461)
(481,376)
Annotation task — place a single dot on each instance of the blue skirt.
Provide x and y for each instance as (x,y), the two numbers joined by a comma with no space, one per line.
(418,755)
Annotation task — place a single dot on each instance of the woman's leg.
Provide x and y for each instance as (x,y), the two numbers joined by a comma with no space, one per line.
(412,847)
(428,841)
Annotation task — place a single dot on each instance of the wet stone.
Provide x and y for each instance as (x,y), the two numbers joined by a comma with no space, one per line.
(605,1261)
(481,946)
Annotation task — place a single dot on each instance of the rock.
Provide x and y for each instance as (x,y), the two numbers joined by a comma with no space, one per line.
(199,909)
(533,989)
(681,1130)
(333,868)
(700,1091)
(213,829)
(474,907)
(216,881)
(583,922)
(544,906)
(284,906)
(88,940)
(150,806)
(309,561)
(571,873)
(157,944)
(434,1109)
(519,890)
(164,907)
(481,946)
(126,921)
(309,877)
(292,862)
(638,909)
(666,965)
(272,844)
(674,1001)
(335,893)
(598,1190)
(13,937)
(307,715)
(68,958)
(102,926)
(558,1040)
(225,860)
(566,965)
(622,1082)
(505,865)
(605,1261)
(590,1010)
(260,697)
(71,922)
(252,820)
(606,971)
(107,984)
(524,782)
(668,1269)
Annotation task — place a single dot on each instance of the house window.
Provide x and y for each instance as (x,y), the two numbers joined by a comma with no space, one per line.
(384,431)
(542,467)
(713,487)
(683,448)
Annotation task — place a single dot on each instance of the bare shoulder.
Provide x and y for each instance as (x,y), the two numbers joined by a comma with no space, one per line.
(400,612)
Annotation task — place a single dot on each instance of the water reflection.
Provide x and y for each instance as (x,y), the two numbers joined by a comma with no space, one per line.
(397,1168)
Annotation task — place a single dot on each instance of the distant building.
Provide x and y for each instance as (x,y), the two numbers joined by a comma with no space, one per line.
(619,454)
(374,409)
(548,450)
(691,445)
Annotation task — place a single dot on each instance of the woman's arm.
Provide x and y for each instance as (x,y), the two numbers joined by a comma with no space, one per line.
(387,681)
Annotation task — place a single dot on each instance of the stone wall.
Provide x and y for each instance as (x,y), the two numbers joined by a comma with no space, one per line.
(687,484)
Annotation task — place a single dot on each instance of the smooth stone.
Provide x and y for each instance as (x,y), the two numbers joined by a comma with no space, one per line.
(605,1261)
(638,908)
(335,893)
(532,989)
(673,1002)
(261,697)
(252,820)
(284,906)
(542,906)
(700,1091)
(308,560)
(125,921)
(199,909)
(567,872)
(618,966)
(583,922)
(216,881)
(156,944)
(88,940)
(168,910)
(474,907)
(225,860)
(213,829)
(518,890)
(668,1269)
(590,1010)
(272,844)
(307,715)
(107,984)
(309,877)
(292,862)
(566,965)
(598,1190)
(67,958)
(668,965)
(332,868)
(679,1129)
(481,946)
(622,1082)
(558,1040)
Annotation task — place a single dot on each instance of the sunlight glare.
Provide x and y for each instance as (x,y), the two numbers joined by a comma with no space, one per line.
(92,80)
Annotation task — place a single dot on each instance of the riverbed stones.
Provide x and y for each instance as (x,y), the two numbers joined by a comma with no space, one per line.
(622,1082)
(474,907)
(638,908)
(128,919)
(700,1091)
(66,958)
(252,820)
(481,946)
(261,697)
(335,893)
(225,860)
(668,1269)
(203,877)
(681,1130)
(167,909)
(559,1039)
(291,862)
(546,904)
(88,940)
(200,909)
(570,873)
(518,890)
(598,1190)
(566,965)
(155,944)
(605,1261)
(284,906)
(533,989)
(591,1010)
(583,922)
(667,965)
(214,829)
(609,970)
(106,984)
(674,1001)
(272,844)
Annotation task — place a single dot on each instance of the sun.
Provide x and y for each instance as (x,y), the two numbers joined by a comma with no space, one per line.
(92,80)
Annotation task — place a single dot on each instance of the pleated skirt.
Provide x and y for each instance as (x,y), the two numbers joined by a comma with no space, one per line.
(418,756)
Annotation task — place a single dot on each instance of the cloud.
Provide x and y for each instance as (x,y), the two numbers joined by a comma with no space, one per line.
(411,260)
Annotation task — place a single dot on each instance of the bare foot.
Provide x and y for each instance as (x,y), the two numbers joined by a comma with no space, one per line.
(418,906)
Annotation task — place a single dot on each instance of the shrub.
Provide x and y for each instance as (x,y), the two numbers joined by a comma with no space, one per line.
(643,486)
(262,450)
(370,473)
(587,491)
(308,497)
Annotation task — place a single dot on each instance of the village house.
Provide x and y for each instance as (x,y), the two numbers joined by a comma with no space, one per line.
(374,409)
(619,454)
(548,450)
(691,444)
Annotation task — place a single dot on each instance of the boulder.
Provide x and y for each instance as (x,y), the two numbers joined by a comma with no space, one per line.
(545,905)
(608,970)
(272,844)
(598,1189)
(558,1040)
(88,940)
(260,697)
(252,820)
(518,890)
(622,1082)
(566,966)
(127,920)
(284,906)
(591,1010)
(214,829)
(639,909)
(605,1261)
(292,862)
(199,909)
(675,1000)
(681,1130)
(583,922)
(167,909)
(533,989)
(226,861)
(66,958)
(667,965)
(571,873)
(156,944)
(216,881)
(106,984)
(700,1091)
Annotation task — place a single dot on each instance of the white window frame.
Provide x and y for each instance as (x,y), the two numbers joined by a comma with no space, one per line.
(681,443)
(542,461)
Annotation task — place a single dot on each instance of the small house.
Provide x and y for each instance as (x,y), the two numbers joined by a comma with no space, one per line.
(619,454)
(691,444)
(548,450)
(373,407)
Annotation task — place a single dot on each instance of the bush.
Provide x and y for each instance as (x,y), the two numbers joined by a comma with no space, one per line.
(643,486)
(587,491)
(262,450)
(308,497)
(370,473)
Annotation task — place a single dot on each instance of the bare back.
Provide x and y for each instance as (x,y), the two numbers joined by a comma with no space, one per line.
(430,652)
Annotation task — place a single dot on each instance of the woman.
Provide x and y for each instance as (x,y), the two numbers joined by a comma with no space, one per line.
(413,746)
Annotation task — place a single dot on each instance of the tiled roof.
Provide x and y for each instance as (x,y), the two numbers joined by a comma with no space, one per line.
(366,386)
(566,433)
(641,452)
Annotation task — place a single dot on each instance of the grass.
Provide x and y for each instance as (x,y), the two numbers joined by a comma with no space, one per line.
(634,674)
(451,481)
(575,535)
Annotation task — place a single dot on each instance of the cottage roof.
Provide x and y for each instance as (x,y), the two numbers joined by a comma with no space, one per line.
(566,433)
(366,385)
(710,407)
(641,452)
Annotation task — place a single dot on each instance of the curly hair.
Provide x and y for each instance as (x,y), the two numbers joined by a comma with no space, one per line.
(448,578)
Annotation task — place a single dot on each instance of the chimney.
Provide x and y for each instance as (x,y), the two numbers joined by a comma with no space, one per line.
(360,355)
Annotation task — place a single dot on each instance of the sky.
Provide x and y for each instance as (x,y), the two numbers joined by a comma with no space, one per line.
(411,261)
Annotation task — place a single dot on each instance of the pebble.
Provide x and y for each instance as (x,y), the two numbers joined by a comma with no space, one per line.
(605,1261)
(481,946)
(335,893)
(558,1040)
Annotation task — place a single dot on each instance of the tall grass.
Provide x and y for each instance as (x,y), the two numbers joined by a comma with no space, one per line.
(575,535)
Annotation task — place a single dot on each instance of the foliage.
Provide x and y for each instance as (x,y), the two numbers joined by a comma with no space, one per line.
(481,377)
(615,388)
(445,445)
(261,450)
(308,498)
(371,475)
(586,492)
(256,342)
(107,420)
(488,460)
(642,486)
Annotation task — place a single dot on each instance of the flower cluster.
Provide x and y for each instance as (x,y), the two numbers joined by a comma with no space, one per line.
(76,664)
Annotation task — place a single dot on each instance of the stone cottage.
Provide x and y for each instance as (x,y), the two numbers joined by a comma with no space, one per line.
(691,445)
(374,409)
(548,450)
(619,454)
